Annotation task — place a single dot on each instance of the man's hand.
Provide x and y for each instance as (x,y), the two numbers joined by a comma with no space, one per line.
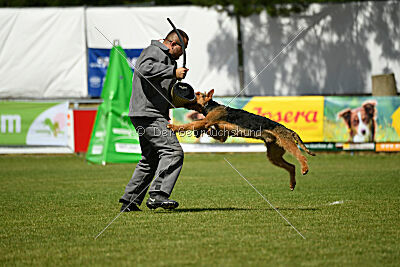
(181,73)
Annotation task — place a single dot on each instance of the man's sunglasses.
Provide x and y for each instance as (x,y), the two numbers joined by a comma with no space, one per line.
(175,42)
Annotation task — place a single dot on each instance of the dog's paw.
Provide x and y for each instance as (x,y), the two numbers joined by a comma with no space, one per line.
(173,127)
(198,133)
(221,139)
(292,185)
(304,171)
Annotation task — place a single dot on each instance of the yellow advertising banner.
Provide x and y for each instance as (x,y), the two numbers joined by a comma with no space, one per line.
(303,114)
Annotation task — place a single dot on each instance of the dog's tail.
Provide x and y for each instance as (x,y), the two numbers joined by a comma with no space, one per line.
(301,144)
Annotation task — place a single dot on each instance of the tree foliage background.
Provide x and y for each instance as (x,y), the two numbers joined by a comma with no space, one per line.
(234,7)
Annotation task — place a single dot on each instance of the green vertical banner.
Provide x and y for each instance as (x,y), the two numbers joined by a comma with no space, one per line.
(114,139)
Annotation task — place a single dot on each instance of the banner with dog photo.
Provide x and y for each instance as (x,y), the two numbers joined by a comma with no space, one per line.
(303,114)
(362,119)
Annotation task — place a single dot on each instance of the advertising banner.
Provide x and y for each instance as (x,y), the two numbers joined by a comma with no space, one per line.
(304,115)
(388,147)
(33,123)
(98,64)
(114,139)
(362,119)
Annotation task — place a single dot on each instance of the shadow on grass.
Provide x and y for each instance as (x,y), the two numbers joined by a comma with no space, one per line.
(208,209)
(239,209)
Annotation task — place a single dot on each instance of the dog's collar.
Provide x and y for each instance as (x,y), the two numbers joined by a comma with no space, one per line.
(210,105)
(204,109)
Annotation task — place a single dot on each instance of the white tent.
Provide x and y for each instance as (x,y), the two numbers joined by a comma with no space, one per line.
(331,49)
(42,53)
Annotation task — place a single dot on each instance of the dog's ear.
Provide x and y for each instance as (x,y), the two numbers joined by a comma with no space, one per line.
(346,115)
(197,93)
(369,108)
(210,94)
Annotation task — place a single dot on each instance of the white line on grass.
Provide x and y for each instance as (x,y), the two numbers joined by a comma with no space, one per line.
(336,203)
(233,167)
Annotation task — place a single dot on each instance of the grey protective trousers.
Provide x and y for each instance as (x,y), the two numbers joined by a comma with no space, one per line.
(162,158)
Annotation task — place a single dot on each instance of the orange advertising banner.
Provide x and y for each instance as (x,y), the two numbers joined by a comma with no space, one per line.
(303,114)
(388,147)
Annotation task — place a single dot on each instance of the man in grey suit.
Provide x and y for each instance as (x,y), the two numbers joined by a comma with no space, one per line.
(162,156)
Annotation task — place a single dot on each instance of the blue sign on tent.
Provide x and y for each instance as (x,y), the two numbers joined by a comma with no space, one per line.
(98,63)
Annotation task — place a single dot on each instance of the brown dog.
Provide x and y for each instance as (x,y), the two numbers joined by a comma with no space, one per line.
(239,123)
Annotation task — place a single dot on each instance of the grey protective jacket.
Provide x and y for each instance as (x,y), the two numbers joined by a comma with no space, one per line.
(154,68)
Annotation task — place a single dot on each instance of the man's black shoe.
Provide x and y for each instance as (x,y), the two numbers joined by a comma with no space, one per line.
(161,201)
(126,207)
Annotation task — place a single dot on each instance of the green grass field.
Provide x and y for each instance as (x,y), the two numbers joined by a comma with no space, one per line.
(54,206)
